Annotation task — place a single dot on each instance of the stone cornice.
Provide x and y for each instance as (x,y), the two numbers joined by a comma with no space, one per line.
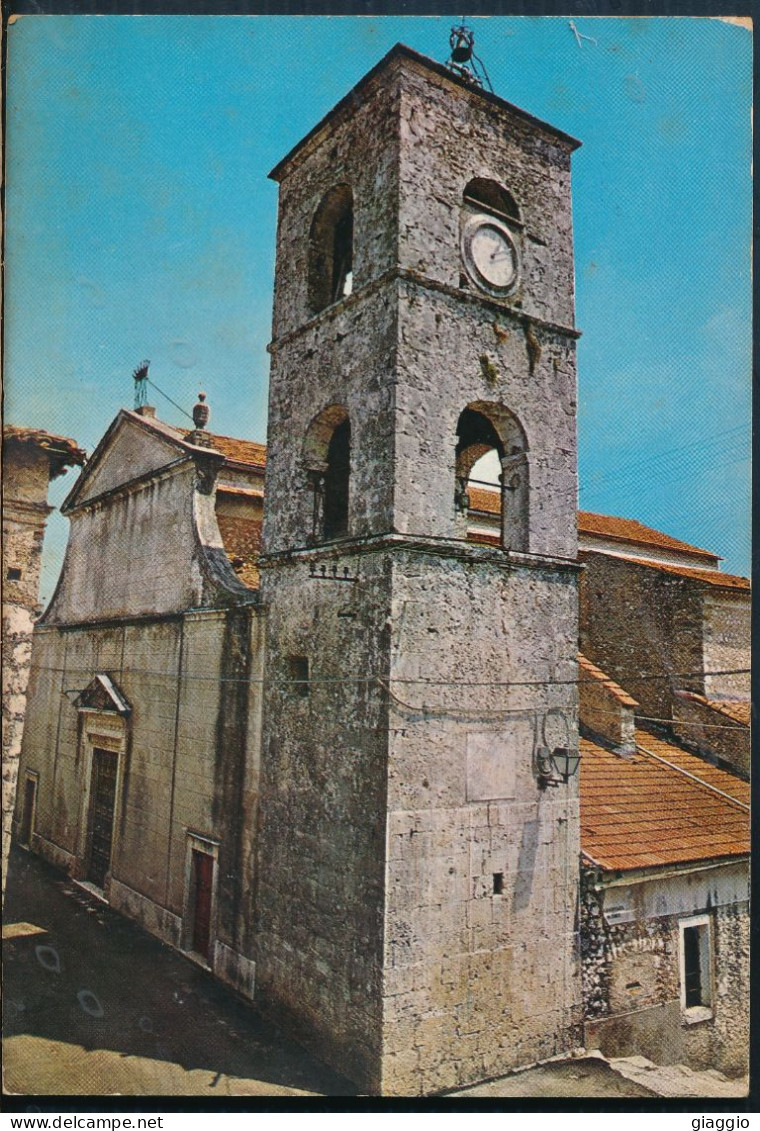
(420,544)
(417,278)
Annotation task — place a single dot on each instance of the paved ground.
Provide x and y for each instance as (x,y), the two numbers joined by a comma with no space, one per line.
(95,1006)
(586,1077)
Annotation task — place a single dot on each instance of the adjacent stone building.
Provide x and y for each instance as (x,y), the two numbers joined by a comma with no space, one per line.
(661,617)
(31,459)
(664,892)
(318,745)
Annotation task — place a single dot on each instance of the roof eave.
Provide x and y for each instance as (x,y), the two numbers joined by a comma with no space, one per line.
(401,51)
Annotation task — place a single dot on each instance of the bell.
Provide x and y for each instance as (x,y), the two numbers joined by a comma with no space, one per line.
(461,45)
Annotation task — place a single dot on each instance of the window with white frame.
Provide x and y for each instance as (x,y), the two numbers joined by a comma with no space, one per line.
(696,967)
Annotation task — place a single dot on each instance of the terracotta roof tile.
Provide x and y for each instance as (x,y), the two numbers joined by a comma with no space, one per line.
(720,779)
(483,499)
(242,540)
(240,451)
(738,710)
(589,670)
(640,813)
(65,451)
(236,451)
(714,577)
(629,530)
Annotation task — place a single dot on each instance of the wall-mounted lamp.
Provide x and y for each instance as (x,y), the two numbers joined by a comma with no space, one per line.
(555,766)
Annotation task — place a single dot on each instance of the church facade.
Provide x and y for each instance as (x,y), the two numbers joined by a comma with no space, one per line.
(326,746)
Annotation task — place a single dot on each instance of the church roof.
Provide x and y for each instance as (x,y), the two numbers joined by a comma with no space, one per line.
(401,51)
(661,806)
(629,530)
(235,450)
(712,577)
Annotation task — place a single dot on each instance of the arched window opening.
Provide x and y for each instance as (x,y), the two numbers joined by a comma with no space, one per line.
(327,462)
(336,481)
(491,490)
(331,244)
(490,196)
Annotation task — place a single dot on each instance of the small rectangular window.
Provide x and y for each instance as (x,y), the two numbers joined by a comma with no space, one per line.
(299,676)
(696,977)
(498,883)
(14,574)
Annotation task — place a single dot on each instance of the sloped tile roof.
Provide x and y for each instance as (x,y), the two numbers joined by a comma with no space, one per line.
(642,813)
(692,764)
(237,451)
(738,710)
(591,671)
(713,577)
(240,451)
(242,541)
(629,530)
(63,451)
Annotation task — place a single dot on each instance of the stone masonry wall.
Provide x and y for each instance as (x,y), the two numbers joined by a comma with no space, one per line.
(636,621)
(631,971)
(319,906)
(727,636)
(481,963)
(189,763)
(711,732)
(449,136)
(26,473)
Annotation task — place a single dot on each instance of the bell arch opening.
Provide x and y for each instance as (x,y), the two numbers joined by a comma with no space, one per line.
(327,461)
(492,197)
(491,494)
(331,248)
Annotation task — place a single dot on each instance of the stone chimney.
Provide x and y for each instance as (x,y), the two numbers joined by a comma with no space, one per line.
(606,710)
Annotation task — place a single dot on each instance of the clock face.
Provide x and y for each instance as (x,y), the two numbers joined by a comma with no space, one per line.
(490,254)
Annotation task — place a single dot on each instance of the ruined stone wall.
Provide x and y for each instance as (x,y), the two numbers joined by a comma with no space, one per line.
(631,968)
(727,634)
(26,472)
(189,753)
(635,621)
(481,962)
(319,906)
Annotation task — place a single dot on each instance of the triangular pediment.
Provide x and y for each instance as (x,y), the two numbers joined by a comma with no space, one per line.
(132,447)
(102,694)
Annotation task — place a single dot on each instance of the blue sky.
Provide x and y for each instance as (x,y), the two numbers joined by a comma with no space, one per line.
(141,224)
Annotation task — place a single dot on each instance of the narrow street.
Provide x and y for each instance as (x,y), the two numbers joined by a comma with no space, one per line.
(95,1006)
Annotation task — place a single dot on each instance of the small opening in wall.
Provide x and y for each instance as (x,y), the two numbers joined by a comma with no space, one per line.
(498,883)
(696,965)
(299,676)
(14,574)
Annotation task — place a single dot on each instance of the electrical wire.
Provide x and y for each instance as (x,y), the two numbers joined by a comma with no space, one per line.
(166,397)
(406,680)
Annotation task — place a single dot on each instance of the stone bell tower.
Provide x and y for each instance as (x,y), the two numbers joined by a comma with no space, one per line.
(418,850)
